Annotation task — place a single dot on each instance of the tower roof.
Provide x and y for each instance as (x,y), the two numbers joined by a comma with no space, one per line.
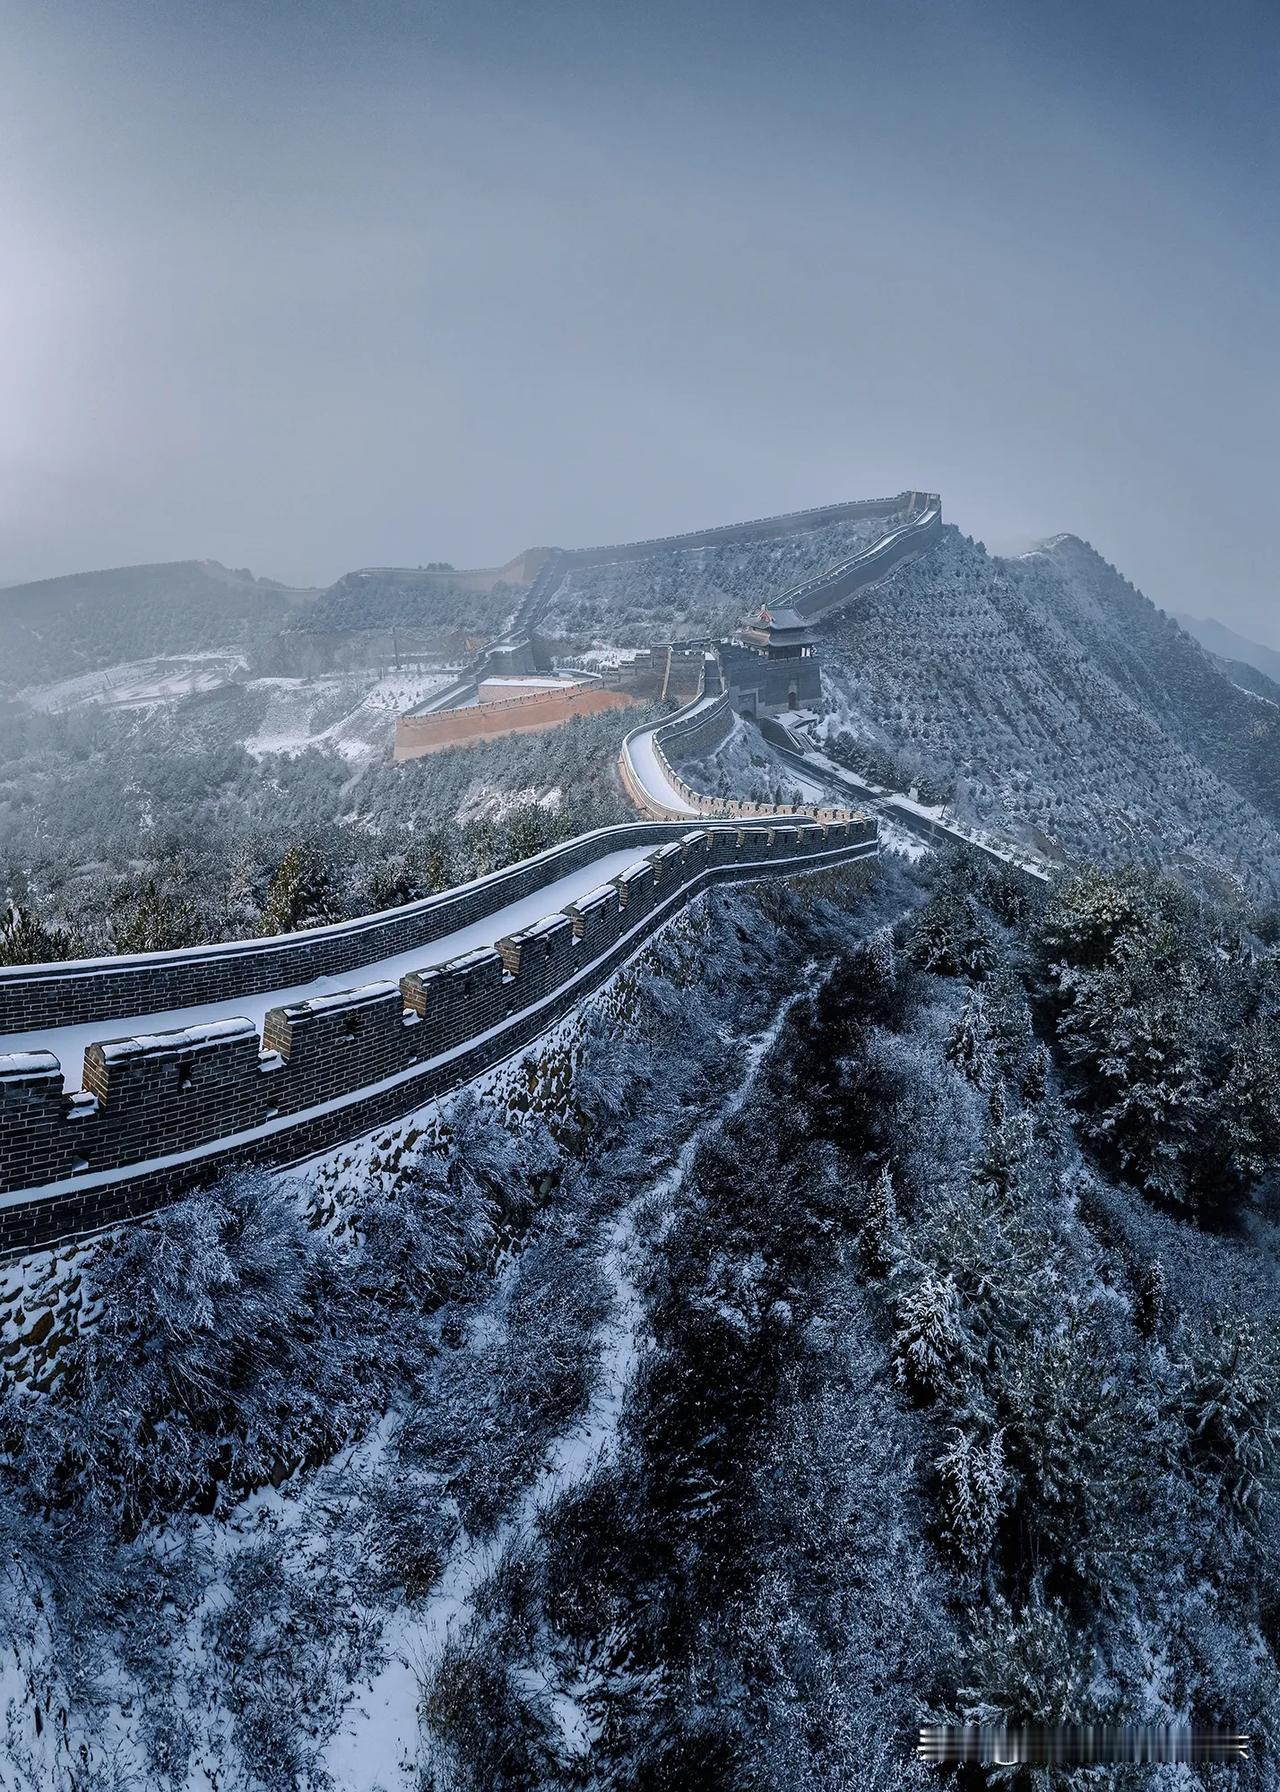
(779,628)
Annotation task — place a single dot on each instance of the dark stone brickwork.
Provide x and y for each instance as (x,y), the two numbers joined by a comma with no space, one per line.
(322,1060)
(60,995)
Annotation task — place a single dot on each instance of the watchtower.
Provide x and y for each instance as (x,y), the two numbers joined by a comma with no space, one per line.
(779,668)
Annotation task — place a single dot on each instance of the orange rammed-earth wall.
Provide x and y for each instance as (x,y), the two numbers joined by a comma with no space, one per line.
(416,735)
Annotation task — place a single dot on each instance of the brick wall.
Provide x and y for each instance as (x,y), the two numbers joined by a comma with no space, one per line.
(420,734)
(32,996)
(164,1113)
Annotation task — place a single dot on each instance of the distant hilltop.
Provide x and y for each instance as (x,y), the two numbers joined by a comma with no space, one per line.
(1228,645)
(59,628)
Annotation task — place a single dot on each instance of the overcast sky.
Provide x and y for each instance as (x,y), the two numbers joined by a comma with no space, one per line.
(304,286)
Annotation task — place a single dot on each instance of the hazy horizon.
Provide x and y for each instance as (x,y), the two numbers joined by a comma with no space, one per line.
(327,287)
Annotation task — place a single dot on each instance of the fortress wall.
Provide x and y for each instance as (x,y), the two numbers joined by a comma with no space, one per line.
(706,730)
(827,591)
(560,562)
(698,735)
(520,571)
(163,1113)
(597,919)
(417,735)
(84,990)
(767,528)
(168,1112)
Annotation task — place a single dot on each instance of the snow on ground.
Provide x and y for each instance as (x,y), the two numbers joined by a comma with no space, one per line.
(352,713)
(648,767)
(506,685)
(69,1043)
(138,684)
(745,765)
(888,804)
(598,657)
(378,1743)
(653,779)
(484,802)
(1257,696)
(896,839)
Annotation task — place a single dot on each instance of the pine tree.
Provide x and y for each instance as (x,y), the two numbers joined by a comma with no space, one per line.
(951,937)
(154,916)
(300,895)
(24,939)
(972,1479)
(1009,1145)
(1149,1308)
(1249,1110)
(929,1343)
(877,1239)
(969,1046)
(1035,1080)
(1233,1414)
(1030,1666)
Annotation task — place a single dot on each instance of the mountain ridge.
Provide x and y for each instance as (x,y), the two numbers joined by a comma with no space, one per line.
(1229,644)
(1060,703)
(79,622)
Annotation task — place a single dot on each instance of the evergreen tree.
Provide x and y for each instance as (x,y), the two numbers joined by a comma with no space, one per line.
(1247,1142)
(300,894)
(24,939)
(969,1045)
(1153,1291)
(1233,1414)
(878,1237)
(1030,1666)
(951,937)
(972,1482)
(929,1344)
(155,915)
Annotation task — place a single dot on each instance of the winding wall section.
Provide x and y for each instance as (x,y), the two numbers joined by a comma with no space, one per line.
(922,520)
(827,591)
(244,1052)
(163,1111)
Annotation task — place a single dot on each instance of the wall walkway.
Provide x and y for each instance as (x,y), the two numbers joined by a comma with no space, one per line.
(248,1052)
(161,1112)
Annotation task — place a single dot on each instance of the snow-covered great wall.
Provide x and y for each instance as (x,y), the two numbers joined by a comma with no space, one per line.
(188,1094)
(271,1050)
(916,518)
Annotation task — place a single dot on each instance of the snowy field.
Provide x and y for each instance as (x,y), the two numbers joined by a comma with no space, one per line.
(138,684)
(353,713)
(300,712)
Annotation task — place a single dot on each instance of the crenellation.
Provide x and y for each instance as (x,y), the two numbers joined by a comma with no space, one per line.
(540,956)
(162,1112)
(82,991)
(333,1043)
(661,860)
(636,889)
(597,918)
(456,1000)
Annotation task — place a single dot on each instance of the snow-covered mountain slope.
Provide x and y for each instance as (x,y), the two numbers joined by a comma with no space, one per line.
(1228,644)
(1063,708)
(59,628)
(678,592)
